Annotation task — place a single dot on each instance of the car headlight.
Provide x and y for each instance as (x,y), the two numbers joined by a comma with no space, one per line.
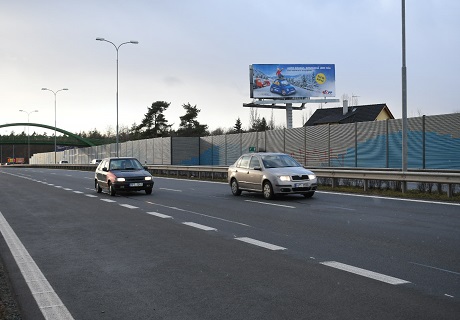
(148,178)
(285,178)
(120,179)
(311,177)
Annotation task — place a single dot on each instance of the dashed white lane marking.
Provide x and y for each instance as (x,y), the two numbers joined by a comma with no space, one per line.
(271,204)
(364,273)
(90,195)
(108,200)
(175,190)
(67,189)
(199,226)
(197,213)
(78,192)
(128,206)
(48,301)
(260,243)
(159,215)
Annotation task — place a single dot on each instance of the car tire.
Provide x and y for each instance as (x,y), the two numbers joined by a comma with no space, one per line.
(309,195)
(111,189)
(268,190)
(148,191)
(98,187)
(235,188)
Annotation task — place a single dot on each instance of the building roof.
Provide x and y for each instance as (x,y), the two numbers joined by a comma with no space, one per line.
(354,114)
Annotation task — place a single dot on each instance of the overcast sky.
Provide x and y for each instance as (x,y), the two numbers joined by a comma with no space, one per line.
(199,52)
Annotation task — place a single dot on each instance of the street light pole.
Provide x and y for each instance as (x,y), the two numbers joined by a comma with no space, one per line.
(55,144)
(28,136)
(404,94)
(117,48)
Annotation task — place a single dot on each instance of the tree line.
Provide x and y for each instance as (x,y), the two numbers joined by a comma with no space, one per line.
(154,124)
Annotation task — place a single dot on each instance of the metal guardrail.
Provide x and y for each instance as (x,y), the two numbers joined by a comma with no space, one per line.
(449,178)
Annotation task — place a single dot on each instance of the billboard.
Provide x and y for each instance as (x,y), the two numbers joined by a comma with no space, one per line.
(280,81)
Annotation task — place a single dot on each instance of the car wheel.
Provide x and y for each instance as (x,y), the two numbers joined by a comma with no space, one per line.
(98,187)
(148,191)
(111,189)
(309,195)
(268,190)
(235,188)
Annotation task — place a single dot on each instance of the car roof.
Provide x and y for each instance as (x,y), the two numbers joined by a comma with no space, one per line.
(120,158)
(263,153)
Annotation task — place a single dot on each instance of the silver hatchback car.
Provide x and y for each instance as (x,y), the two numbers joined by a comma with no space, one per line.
(271,174)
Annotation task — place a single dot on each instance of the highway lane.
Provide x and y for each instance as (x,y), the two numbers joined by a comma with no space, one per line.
(410,241)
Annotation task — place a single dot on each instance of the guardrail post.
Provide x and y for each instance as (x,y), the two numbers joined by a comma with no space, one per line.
(365,184)
(334,182)
(450,192)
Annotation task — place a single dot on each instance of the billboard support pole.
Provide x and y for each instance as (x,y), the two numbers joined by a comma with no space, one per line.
(289,115)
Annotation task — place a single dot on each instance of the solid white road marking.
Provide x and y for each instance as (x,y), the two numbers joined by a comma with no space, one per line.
(128,206)
(435,268)
(364,272)
(47,300)
(260,243)
(271,204)
(199,226)
(388,198)
(159,215)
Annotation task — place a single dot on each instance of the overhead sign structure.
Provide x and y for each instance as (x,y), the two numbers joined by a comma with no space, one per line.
(292,81)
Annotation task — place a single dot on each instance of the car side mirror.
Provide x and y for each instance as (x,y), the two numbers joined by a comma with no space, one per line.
(105,169)
(257,168)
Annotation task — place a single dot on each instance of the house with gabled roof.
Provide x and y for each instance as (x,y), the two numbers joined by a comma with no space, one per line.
(352,114)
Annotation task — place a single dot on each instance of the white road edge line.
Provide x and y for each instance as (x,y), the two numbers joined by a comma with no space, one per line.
(47,300)
(364,272)
(199,226)
(159,215)
(260,243)
(389,198)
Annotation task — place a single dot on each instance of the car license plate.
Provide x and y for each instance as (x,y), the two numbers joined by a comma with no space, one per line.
(136,184)
(300,185)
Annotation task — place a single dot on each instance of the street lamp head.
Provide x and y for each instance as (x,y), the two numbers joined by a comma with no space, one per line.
(45,89)
(21,111)
(134,42)
(65,89)
(100,39)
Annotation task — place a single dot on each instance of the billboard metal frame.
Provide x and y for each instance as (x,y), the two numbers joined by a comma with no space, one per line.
(282,103)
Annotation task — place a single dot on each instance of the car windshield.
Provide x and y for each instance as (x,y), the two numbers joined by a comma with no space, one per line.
(279,161)
(125,164)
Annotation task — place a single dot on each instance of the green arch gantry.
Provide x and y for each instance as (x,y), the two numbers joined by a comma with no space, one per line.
(70,134)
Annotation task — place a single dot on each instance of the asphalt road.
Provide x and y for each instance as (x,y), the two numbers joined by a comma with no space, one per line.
(192,250)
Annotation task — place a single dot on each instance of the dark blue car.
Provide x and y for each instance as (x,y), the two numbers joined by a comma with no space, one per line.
(282,87)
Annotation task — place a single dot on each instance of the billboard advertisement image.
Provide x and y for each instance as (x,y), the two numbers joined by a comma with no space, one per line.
(278,81)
